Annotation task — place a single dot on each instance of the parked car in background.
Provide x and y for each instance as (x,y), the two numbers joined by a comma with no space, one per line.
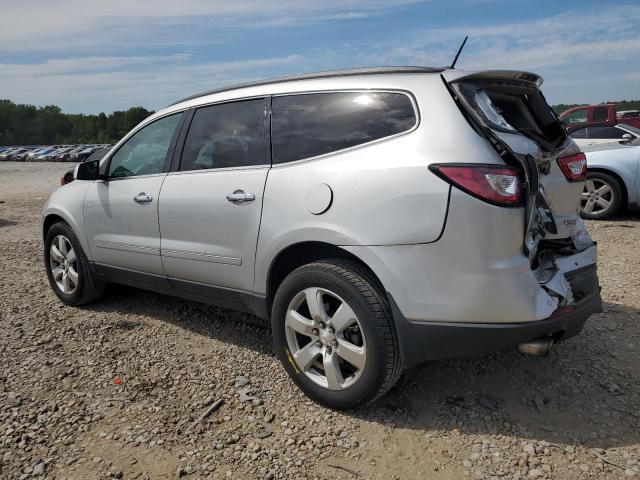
(51,155)
(4,155)
(603,115)
(597,134)
(34,154)
(20,155)
(83,153)
(371,222)
(31,156)
(628,114)
(14,154)
(613,180)
(63,154)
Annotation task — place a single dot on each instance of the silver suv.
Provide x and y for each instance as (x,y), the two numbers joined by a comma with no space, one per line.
(378,218)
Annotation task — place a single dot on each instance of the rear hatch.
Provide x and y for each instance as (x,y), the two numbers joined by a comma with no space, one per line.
(509,110)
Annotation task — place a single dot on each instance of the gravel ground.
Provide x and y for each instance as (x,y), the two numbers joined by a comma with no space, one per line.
(114,390)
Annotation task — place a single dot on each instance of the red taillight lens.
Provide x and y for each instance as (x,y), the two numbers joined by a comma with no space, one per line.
(574,167)
(491,183)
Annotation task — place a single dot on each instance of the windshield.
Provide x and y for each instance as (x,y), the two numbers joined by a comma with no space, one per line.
(631,128)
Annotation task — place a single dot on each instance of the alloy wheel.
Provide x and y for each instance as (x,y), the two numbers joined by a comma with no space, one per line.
(597,197)
(63,264)
(325,338)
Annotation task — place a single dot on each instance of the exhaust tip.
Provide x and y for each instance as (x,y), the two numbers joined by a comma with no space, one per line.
(538,347)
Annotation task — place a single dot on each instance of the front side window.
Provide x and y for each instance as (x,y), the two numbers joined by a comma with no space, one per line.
(579,116)
(308,125)
(226,135)
(145,152)
(606,132)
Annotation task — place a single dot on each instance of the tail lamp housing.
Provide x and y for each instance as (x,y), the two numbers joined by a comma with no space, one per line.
(574,167)
(495,184)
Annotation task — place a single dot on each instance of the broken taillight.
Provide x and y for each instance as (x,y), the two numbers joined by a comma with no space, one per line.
(574,167)
(495,184)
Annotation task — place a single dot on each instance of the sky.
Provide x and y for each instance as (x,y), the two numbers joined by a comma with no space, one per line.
(90,56)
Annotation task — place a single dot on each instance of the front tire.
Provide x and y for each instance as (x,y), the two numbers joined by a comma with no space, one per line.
(68,269)
(601,197)
(334,334)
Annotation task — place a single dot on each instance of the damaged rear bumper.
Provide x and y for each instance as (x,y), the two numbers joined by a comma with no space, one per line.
(421,341)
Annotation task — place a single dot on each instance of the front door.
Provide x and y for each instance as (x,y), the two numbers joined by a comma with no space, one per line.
(210,207)
(121,213)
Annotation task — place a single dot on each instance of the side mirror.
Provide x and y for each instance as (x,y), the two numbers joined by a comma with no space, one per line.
(627,137)
(87,170)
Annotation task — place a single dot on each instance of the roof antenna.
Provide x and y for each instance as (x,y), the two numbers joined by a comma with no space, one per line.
(459,51)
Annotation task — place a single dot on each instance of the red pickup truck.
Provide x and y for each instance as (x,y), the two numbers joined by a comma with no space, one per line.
(601,115)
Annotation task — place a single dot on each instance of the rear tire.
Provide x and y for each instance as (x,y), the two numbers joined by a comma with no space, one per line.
(601,197)
(68,269)
(345,290)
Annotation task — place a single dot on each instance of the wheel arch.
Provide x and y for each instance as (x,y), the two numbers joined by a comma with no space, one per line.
(49,221)
(301,253)
(620,180)
(54,215)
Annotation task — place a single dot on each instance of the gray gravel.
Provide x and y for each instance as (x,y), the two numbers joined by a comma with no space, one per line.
(113,390)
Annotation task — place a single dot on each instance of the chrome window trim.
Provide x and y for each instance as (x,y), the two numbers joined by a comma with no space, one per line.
(220,169)
(131,177)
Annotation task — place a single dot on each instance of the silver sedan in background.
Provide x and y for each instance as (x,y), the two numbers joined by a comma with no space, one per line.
(613,180)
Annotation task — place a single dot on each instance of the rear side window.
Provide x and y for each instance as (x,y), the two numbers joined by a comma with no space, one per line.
(308,125)
(580,133)
(600,114)
(226,135)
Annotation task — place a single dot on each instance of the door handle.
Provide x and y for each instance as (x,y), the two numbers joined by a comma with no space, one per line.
(240,197)
(142,198)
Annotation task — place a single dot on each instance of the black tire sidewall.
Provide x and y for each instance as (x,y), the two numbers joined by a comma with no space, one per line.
(368,384)
(617,194)
(77,296)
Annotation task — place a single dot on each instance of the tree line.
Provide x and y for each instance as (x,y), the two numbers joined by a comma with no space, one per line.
(22,124)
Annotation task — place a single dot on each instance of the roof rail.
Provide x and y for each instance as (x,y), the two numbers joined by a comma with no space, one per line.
(311,76)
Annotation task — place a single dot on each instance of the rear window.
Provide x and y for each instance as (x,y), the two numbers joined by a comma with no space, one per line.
(308,125)
(512,106)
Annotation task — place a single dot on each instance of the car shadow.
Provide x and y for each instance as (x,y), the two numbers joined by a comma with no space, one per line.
(585,392)
(6,223)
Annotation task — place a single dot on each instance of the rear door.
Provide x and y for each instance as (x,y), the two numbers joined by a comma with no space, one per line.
(211,202)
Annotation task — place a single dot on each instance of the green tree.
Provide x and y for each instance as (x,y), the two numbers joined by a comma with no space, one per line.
(29,125)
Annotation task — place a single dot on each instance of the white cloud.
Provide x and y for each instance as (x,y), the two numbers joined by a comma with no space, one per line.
(587,55)
(112,83)
(43,25)
(608,34)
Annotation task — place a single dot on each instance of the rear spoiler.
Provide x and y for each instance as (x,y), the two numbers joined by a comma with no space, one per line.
(457,75)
